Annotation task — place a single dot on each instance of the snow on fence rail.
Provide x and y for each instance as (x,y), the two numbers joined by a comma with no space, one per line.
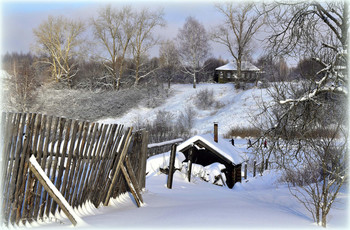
(81,171)
(156,148)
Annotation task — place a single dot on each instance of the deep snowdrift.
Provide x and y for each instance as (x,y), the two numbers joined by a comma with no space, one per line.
(261,202)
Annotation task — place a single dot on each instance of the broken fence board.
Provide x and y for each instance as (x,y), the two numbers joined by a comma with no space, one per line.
(131,186)
(53,192)
(131,173)
(119,164)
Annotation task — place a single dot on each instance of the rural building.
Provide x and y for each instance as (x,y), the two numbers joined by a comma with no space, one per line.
(228,72)
(209,148)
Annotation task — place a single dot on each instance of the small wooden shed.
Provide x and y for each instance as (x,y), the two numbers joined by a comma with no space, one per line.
(206,149)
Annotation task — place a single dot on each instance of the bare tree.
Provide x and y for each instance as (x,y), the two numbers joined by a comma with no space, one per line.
(242,22)
(58,41)
(169,60)
(143,40)
(22,81)
(114,30)
(193,46)
(306,122)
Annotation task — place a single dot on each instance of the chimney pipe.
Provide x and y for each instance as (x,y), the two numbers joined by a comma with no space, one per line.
(216,132)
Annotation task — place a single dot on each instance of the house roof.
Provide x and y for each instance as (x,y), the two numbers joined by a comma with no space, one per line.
(245,66)
(223,148)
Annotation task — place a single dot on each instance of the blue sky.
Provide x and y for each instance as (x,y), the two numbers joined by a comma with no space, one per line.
(19,18)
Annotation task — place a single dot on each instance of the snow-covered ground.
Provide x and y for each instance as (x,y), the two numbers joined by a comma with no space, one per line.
(261,202)
(238,106)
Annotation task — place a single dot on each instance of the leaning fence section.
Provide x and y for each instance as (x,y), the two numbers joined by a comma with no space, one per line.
(79,157)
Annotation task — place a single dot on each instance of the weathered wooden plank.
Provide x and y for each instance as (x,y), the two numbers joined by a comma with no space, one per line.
(68,170)
(53,192)
(24,165)
(189,164)
(99,178)
(84,180)
(254,168)
(37,194)
(119,164)
(61,125)
(44,161)
(31,185)
(134,153)
(112,159)
(97,162)
(16,170)
(90,177)
(171,166)
(133,178)
(80,156)
(131,186)
(76,188)
(104,167)
(75,158)
(62,154)
(9,126)
(143,160)
(52,164)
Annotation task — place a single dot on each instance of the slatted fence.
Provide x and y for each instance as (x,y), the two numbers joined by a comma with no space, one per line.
(79,157)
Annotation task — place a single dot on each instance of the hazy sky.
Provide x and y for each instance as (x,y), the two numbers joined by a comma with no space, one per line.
(20,17)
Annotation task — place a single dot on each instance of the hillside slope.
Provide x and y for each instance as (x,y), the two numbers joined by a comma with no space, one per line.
(236,107)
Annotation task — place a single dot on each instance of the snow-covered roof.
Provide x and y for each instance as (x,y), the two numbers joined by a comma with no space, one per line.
(245,66)
(222,147)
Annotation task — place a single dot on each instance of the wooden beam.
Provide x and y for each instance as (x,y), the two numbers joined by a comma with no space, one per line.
(171,166)
(131,186)
(143,160)
(53,191)
(119,165)
(133,178)
(189,164)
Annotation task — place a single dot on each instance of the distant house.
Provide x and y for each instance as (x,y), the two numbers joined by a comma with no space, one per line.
(209,148)
(228,72)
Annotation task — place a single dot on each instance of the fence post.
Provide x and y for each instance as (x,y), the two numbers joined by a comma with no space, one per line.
(254,169)
(143,159)
(171,166)
(245,170)
(266,163)
(189,165)
(262,167)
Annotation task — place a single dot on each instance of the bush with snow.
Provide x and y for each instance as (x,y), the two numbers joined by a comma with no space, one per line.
(162,161)
(205,100)
(211,173)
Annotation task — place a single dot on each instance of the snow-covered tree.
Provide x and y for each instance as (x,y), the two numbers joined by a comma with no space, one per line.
(143,40)
(113,29)
(193,46)
(307,121)
(57,41)
(169,60)
(242,22)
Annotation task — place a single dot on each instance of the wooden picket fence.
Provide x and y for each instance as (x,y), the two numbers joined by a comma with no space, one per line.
(79,157)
